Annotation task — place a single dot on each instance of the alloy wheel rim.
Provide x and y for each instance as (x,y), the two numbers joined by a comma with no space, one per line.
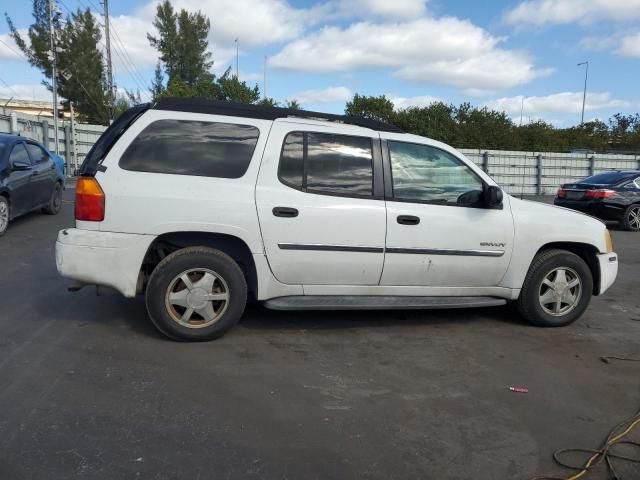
(4,216)
(634,218)
(197,298)
(560,291)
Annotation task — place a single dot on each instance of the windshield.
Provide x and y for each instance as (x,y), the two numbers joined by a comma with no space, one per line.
(606,178)
(109,138)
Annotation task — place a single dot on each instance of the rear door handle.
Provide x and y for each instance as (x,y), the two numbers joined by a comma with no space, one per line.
(408,220)
(286,212)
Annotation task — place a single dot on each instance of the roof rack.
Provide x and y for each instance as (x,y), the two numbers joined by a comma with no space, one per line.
(217,107)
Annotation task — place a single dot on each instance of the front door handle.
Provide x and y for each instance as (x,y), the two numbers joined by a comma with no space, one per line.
(408,220)
(286,212)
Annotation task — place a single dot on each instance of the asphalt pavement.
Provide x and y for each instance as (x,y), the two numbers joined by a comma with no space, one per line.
(89,389)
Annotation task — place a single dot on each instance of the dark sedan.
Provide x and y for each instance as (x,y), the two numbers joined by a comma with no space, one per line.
(29,179)
(613,195)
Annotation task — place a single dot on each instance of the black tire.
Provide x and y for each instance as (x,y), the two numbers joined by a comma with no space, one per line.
(544,264)
(5,212)
(55,202)
(629,221)
(190,260)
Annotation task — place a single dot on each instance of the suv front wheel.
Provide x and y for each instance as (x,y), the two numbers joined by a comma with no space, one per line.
(196,293)
(557,289)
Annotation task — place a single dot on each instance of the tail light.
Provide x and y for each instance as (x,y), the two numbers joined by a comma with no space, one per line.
(562,193)
(89,200)
(592,194)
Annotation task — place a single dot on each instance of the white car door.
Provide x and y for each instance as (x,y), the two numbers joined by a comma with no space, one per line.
(321,207)
(439,233)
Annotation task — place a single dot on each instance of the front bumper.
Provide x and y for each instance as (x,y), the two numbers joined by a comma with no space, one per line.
(608,270)
(102,258)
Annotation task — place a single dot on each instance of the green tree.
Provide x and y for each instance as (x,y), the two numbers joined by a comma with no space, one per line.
(182,43)
(157,84)
(376,108)
(81,77)
(292,104)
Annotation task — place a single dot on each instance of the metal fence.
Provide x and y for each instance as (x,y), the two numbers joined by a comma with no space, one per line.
(540,173)
(519,173)
(74,140)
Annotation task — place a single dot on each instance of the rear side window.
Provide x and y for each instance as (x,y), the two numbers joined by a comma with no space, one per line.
(186,147)
(37,154)
(328,163)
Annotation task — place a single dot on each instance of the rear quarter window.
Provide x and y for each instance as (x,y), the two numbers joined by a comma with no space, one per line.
(187,147)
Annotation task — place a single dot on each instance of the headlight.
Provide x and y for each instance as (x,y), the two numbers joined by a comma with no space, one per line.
(607,241)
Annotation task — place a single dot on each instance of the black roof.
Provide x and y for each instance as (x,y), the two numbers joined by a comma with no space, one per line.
(204,105)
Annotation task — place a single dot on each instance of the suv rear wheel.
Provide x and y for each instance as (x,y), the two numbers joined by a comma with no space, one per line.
(557,289)
(195,294)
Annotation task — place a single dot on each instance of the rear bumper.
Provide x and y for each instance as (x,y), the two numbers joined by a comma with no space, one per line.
(102,258)
(608,270)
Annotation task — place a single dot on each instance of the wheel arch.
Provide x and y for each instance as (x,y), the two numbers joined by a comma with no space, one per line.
(233,246)
(585,251)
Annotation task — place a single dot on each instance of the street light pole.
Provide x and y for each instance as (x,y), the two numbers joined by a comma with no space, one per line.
(54,83)
(584,94)
(237,63)
(522,108)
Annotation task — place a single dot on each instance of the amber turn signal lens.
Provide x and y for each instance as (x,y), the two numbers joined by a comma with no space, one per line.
(89,200)
(608,242)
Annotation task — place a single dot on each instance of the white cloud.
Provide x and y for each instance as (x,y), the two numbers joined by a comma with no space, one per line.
(8,48)
(630,46)
(418,101)
(564,102)
(26,92)
(324,95)
(428,50)
(381,8)
(542,12)
(253,22)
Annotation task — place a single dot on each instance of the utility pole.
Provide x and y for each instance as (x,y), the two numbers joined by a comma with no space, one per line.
(112,99)
(74,138)
(54,83)
(521,108)
(264,85)
(584,94)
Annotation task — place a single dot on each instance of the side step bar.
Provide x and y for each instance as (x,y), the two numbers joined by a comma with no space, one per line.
(373,302)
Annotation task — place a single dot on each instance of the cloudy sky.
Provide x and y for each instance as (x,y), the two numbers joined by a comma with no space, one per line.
(321,52)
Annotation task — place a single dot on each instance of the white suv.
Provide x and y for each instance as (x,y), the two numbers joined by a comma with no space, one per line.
(203,205)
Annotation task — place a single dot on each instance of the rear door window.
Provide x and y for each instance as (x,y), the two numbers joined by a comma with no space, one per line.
(187,147)
(328,164)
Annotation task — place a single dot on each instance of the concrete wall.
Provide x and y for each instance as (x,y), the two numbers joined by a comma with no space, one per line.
(540,173)
(42,129)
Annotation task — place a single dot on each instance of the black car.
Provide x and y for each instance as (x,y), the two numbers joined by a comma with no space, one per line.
(29,179)
(612,195)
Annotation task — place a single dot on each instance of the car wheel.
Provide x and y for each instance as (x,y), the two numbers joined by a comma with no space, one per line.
(196,294)
(55,202)
(4,214)
(557,289)
(631,220)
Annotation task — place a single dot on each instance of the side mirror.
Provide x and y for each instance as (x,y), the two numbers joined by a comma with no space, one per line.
(493,196)
(20,165)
